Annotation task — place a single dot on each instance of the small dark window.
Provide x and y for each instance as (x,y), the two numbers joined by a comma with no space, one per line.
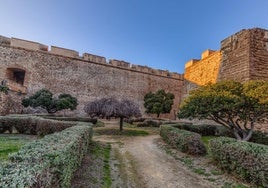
(19,76)
(16,75)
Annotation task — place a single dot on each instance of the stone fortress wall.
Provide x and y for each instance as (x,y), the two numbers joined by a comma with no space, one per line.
(245,56)
(242,56)
(204,70)
(87,77)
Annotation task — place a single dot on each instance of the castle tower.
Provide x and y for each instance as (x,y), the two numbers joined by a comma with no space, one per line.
(245,56)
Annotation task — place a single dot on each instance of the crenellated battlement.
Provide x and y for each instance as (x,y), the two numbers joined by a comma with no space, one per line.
(205,70)
(35,46)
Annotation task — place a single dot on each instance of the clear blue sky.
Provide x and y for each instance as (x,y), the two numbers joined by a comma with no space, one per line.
(162,34)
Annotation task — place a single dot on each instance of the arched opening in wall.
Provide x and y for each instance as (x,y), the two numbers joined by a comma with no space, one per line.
(16,75)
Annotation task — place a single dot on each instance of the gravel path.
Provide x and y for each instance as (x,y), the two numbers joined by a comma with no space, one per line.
(138,162)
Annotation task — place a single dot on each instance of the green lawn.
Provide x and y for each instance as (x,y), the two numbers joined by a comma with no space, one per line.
(10,144)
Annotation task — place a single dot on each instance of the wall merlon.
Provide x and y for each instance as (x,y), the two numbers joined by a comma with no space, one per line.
(4,40)
(164,72)
(64,51)
(151,70)
(15,42)
(176,75)
(55,50)
(143,68)
(191,62)
(119,63)
(266,34)
(207,53)
(94,58)
(133,67)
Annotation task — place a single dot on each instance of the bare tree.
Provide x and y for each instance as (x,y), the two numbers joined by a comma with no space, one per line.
(110,107)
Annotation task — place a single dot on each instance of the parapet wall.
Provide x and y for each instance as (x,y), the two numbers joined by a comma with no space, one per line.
(30,45)
(88,78)
(205,70)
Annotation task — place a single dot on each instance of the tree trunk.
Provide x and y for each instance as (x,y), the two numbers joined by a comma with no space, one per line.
(121,123)
(243,136)
(238,137)
(158,115)
(249,135)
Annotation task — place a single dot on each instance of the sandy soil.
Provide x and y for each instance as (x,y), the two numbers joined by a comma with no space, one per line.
(148,162)
(138,162)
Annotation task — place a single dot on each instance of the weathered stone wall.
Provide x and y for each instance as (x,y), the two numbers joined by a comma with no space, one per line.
(245,56)
(10,103)
(258,55)
(186,88)
(205,70)
(85,79)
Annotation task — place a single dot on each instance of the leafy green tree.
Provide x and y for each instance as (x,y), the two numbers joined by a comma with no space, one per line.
(158,102)
(44,98)
(232,104)
(110,107)
(4,89)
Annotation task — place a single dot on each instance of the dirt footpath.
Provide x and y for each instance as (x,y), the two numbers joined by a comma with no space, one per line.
(138,162)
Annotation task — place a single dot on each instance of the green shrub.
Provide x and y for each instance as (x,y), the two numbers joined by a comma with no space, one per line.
(219,130)
(149,123)
(48,162)
(132,120)
(259,137)
(223,131)
(26,124)
(249,161)
(206,130)
(153,123)
(4,128)
(81,119)
(183,140)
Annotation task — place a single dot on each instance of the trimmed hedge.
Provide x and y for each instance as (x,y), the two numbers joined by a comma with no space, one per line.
(48,162)
(26,124)
(219,130)
(185,141)
(206,130)
(150,123)
(132,120)
(247,160)
(154,122)
(259,137)
(81,119)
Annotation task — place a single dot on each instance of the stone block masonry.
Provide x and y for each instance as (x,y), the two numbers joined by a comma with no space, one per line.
(245,56)
(29,66)
(88,78)
(205,70)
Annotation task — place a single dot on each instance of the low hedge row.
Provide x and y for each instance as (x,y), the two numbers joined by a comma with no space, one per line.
(218,130)
(206,130)
(33,125)
(48,162)
(185,141)
(259,137)
(247,160)
(81,119)
(153,123)
(132,120)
